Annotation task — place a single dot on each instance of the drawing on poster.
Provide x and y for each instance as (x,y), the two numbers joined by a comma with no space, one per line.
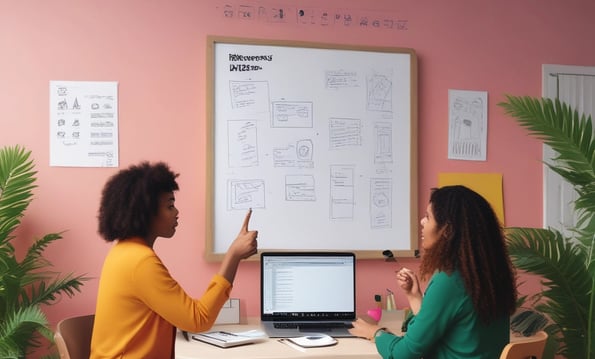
(468,127)
(83,124)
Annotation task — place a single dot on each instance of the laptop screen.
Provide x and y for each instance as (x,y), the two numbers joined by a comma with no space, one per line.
(307,286)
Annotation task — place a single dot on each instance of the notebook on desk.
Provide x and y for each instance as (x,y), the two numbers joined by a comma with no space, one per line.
(307,292)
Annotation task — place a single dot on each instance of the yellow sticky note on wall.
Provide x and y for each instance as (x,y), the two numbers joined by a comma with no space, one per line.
(489,185)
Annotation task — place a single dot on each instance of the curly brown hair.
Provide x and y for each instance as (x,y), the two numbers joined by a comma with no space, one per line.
(130,200)
(472,243)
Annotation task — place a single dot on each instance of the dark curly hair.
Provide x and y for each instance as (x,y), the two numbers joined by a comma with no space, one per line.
(472,243)
(130,200)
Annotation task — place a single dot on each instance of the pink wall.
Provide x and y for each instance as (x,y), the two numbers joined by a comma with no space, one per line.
(155,49)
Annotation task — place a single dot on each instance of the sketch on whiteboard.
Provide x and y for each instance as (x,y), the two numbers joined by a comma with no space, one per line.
(242,143)
(249,96)
(384,142)
(380,92)
(244,194)
(299,155)
(300,188)
(468,117)
(342,201)
(338,79)
(380,203)
(324,152)
(292,114)
(344,132)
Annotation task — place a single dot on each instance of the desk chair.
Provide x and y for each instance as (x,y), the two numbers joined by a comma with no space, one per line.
(526,348)
(73,337)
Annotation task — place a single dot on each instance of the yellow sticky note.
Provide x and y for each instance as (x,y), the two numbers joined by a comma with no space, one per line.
(489,185)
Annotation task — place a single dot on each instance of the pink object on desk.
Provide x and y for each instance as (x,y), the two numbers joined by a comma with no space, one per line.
(375,313)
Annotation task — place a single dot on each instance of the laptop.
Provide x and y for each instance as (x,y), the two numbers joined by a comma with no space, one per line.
(307,292)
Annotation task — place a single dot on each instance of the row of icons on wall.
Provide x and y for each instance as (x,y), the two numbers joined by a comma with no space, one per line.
(315,16)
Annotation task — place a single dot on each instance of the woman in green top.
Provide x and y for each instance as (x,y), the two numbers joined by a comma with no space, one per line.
(471,293)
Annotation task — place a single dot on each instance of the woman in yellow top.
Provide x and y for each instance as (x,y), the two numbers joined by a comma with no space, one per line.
(139,304)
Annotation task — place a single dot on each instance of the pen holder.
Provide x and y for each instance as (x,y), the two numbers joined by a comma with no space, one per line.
(390,302)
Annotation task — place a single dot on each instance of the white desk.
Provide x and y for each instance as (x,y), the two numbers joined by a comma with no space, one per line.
(346,348)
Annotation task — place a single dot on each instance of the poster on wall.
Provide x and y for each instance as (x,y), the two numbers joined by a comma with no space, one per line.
(468,125)
(83,124)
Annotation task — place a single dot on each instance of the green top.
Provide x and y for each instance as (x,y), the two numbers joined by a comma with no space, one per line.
(447,327)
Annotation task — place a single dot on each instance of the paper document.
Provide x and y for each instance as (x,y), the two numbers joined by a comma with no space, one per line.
(225,339)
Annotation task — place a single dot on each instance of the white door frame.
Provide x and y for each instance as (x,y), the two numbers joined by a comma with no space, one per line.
(557,194)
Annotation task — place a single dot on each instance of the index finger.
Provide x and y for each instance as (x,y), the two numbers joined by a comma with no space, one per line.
(247,220)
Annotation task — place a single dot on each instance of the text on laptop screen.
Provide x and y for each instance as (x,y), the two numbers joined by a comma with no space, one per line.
(308,285)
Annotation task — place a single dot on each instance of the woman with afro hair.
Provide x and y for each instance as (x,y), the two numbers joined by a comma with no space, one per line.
(139,305)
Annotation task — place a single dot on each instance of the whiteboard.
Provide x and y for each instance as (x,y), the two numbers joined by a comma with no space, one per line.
(318,139)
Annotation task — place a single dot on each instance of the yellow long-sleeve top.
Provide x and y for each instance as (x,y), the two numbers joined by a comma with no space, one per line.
(139,305)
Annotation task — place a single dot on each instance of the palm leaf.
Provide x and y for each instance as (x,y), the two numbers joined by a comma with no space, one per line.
(561,128)
(17,177)
(27,284)
(566,264)
(19,327)
(585,235)
(47,292)
(31,283)
(34,259)
(566,280)
(586,200)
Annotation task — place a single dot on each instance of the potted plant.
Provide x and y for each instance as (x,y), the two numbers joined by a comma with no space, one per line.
(565,262)
(28,283)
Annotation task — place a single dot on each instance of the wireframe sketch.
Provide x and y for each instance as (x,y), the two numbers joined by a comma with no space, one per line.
(380,93)
(245,194)
(249,96)
(381,203)
(467,125)
(344,132)
(342,201)
(383,152)
(339,79)
(299,154)
(300,188)
(292,114)
(242,143)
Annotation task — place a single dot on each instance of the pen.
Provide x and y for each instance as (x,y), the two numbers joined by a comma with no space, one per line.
(185,334)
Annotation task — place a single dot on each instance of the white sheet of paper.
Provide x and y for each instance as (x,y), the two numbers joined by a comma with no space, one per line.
(83,124)
(467,125)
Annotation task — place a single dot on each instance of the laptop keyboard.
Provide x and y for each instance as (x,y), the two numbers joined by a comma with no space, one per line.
(307,325)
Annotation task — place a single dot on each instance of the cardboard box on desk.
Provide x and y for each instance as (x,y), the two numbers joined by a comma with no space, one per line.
(230,312)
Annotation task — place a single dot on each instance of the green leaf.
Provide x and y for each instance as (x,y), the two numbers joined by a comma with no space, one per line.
(29,283)
(565,264)
(561,128)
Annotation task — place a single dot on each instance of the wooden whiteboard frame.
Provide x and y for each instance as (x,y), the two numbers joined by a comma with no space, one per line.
(212,127)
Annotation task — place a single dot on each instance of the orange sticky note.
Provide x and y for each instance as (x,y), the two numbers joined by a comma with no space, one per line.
(489,185)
